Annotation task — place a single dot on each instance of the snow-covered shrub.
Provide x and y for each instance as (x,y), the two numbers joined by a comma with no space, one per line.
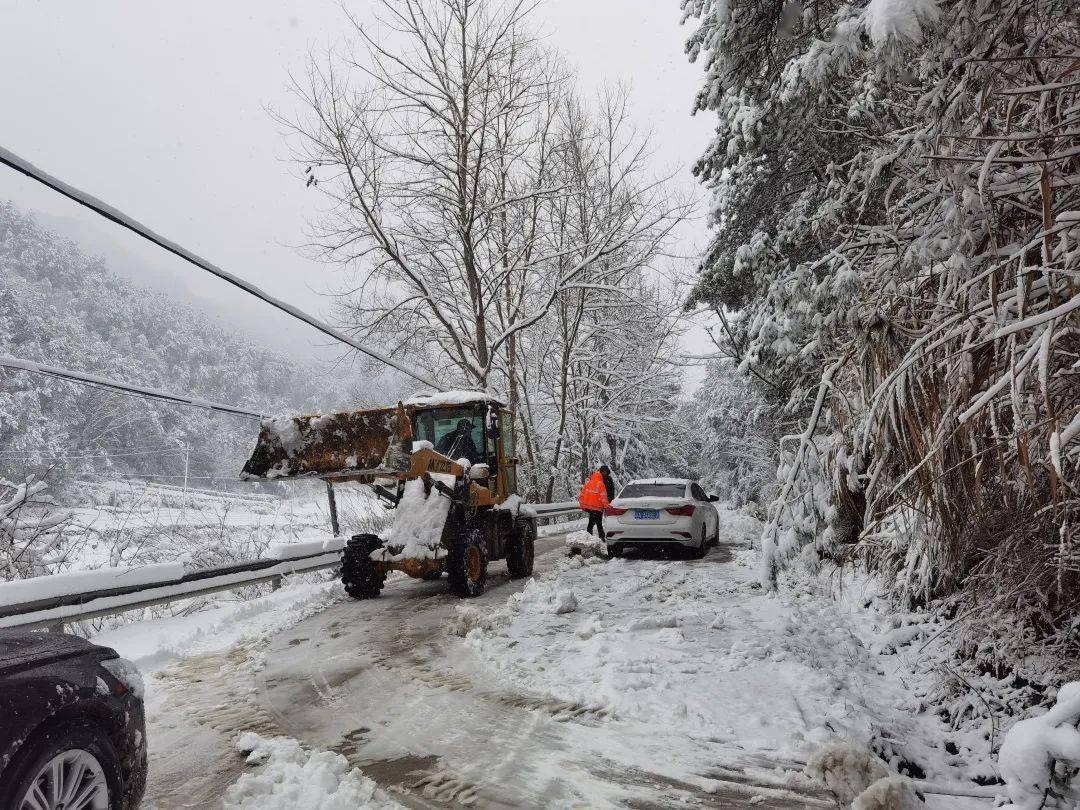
(1041,755)
(31,528)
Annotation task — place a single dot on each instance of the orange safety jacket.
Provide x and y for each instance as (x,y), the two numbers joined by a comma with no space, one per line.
(593,497)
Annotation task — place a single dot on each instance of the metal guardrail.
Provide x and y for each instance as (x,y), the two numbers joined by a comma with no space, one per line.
(54,611)
(550,511)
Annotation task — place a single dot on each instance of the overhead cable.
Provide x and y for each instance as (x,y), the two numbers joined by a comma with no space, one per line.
(128,388)
(89,201)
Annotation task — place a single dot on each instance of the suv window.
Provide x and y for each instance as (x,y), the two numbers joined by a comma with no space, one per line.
(653,491)
(698,493)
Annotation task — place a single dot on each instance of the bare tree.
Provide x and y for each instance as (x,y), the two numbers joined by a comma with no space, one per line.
(448,152)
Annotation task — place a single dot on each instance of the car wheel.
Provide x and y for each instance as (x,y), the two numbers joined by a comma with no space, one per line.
(68,766)
(698,552)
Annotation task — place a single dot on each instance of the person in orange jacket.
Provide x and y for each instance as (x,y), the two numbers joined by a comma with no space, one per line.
(595,497)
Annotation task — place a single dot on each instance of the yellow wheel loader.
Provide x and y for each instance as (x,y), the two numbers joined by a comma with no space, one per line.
(445,462)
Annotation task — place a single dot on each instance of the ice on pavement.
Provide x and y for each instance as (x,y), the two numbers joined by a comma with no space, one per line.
(289,778)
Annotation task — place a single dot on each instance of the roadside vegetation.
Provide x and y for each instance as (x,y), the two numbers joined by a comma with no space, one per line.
(894,271)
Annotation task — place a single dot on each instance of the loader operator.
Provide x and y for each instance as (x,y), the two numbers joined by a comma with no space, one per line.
(459,443)
(595,497)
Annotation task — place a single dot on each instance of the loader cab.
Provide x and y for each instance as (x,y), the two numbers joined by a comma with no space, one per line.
(480,431)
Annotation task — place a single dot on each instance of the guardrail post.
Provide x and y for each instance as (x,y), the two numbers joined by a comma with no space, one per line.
(275,583)
(333,507)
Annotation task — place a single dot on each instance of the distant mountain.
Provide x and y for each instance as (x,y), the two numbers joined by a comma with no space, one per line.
(151,268)
(109,315)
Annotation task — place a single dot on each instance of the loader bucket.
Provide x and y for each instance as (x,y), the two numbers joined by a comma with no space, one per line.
(328,445)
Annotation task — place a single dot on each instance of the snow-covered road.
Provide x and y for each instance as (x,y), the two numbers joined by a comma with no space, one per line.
(642,682)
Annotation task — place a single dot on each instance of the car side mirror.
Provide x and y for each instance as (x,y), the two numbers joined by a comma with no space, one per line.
(714,498)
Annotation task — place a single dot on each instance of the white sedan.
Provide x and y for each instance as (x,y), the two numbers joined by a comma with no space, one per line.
(662,512)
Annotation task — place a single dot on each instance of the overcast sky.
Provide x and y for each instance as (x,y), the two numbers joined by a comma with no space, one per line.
(160,109)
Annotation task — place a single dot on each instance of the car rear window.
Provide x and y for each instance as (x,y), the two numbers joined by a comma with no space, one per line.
(653,491)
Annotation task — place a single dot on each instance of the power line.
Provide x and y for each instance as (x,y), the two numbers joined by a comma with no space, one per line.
(123,220)
(171,451)
(87,452)
(150,448)
(128,388)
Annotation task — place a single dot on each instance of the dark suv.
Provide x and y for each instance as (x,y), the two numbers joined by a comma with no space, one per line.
(72,732)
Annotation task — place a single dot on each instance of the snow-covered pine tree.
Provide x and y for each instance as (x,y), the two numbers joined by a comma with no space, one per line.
(897,219)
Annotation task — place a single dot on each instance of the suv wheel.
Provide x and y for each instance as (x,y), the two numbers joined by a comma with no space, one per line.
(699,551)
(68,766)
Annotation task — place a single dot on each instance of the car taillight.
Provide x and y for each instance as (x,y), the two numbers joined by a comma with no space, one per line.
(614,511)
(680,511)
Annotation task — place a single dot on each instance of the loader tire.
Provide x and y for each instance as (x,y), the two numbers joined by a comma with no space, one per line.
(358,573)
(522,547)
(467,561)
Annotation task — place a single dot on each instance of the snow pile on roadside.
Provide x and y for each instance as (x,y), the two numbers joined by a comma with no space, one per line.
(584,543)
(418,523)
(543,596)
(289,778)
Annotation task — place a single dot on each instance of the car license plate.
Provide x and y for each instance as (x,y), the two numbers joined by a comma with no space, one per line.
(646,514)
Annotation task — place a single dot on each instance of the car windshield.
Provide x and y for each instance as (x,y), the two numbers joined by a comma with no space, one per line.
(653,491)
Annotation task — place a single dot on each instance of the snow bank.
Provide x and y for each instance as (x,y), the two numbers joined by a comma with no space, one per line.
(543,596)
(290,778)
(47,587)
(418,523)
(1033,747)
